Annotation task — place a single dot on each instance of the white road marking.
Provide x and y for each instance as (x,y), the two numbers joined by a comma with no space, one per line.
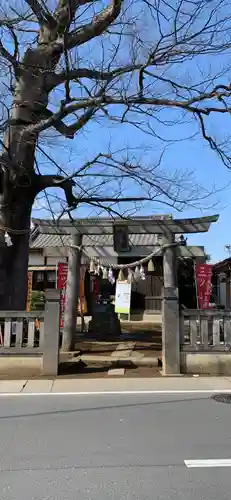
(220,462)
(117,393)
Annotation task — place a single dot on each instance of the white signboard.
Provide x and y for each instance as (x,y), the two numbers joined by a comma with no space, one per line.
(123,297)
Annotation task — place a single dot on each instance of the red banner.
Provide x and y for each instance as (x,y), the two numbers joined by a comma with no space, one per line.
(61,285)
(203,274)
(29,290)
(82,303)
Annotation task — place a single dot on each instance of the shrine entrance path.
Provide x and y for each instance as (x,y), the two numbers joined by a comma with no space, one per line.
(136,352)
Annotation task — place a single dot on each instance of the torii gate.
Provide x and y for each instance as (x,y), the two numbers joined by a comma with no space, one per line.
(168,227)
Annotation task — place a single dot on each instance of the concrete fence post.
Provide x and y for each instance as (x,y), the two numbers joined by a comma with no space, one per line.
(170,332)
(51,333)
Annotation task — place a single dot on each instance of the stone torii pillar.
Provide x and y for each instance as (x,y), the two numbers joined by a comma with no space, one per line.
(72,293)
(170,310)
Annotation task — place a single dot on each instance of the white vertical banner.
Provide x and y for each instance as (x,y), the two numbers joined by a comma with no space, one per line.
(123,297)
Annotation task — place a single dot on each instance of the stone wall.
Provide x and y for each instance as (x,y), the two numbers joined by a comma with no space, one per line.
(214,363)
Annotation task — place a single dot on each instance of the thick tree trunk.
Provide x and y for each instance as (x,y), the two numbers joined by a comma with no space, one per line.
(17,194)
(15,220)
(19,184)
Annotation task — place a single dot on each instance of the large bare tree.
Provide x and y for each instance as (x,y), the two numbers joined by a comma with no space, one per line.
(64,62)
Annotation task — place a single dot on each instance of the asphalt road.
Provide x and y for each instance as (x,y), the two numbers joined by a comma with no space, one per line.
(113,447)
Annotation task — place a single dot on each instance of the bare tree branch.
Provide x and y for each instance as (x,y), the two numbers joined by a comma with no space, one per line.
(41,12)
(98,25)
(53,80)
(190,105)
(8,56)
(45,181)
(59,125)
(57,181)
(65,12)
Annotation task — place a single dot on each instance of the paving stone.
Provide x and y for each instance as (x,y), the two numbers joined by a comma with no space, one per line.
(116,371)
(12,386)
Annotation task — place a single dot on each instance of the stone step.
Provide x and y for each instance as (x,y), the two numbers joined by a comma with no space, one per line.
(136,359)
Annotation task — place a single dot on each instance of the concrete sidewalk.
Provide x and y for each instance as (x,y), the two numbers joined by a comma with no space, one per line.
(98,386)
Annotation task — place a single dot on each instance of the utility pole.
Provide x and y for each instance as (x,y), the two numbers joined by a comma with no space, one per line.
(72,293)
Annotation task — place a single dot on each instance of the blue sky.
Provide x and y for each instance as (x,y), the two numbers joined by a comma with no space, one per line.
(192,155)
(199,167)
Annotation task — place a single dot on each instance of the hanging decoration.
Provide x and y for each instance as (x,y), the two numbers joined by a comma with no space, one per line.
(108,273)
(98,269)
(130,275)
(121,275)
(142,273)
(105,273)
(151,266)
(137,274)
(111,277)
(8,240)
(92,266)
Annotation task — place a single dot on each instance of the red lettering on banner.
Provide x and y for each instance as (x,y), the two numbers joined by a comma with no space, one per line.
(203,274)
(61,285)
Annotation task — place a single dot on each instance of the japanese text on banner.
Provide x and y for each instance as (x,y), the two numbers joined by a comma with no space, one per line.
(203,274)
